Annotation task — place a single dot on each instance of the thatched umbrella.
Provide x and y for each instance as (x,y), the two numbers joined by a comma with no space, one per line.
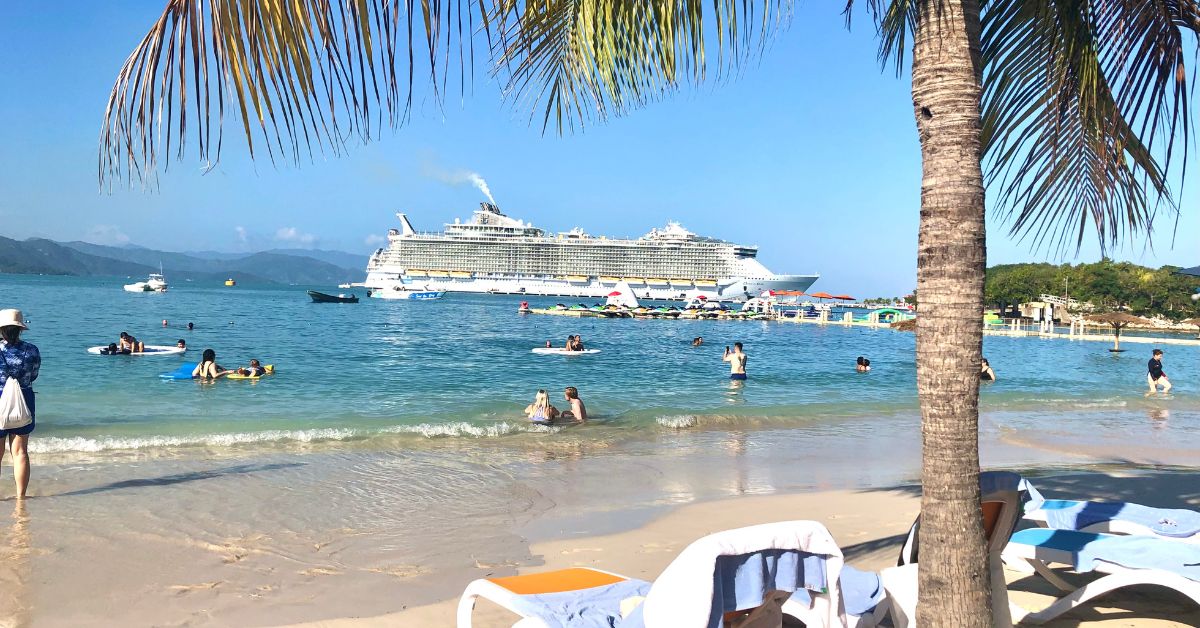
(1118,320)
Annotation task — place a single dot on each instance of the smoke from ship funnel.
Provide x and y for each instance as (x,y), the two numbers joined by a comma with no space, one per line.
(478,182)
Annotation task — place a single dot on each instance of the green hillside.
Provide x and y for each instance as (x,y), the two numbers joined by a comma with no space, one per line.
(40,256)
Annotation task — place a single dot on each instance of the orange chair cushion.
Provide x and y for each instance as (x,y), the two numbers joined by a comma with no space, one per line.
(559,581)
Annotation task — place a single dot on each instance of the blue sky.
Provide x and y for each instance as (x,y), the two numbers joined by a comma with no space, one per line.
(811,154)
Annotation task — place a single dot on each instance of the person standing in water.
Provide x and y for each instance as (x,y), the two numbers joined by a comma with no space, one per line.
(577,411)
(1155,376)
(20,361)
(986,373)
(208,369)
(736,360)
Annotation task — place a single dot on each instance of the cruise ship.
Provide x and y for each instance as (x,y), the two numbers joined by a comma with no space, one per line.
(495,253)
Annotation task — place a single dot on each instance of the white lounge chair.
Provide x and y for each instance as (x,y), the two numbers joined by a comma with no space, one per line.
(1117,518)
(871,597)
(730,572)
(1124,561)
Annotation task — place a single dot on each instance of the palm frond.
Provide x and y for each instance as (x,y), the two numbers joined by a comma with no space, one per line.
(301,74)
(895,22)
(588,60)
(1077,93)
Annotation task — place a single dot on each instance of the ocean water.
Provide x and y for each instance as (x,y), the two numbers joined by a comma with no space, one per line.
(400,374)
(387,462)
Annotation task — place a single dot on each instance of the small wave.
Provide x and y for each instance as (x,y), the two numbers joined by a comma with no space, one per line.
(54,444)
(459,428)
(677,422)
(79,444)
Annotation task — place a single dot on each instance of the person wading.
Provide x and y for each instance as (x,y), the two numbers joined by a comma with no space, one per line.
(20,362)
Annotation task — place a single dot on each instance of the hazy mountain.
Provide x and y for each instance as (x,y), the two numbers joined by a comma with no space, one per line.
(356,261)
(40,256)
(86,259)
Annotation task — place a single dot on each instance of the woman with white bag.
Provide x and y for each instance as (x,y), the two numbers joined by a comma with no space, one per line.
(19,365)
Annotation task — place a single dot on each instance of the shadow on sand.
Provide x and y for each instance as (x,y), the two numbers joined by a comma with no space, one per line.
(180,478)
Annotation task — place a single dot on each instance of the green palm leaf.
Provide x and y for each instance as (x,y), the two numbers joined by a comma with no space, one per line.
(1085,105)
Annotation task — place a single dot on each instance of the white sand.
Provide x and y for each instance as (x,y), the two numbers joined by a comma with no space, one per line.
(869,525)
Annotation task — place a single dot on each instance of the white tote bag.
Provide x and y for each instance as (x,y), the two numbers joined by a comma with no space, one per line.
(14,412)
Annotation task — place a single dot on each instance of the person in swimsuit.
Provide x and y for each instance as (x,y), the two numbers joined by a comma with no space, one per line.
(578,343)
(986,373)
(570,346)
(208,369)
(577,412)
(540,411)
(181,343)
(1155,376)
(863,366)
(20,361)
(697,341)
(736,360)
(254,370)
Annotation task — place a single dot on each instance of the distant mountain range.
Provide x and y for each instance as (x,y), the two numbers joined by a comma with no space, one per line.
(287,266)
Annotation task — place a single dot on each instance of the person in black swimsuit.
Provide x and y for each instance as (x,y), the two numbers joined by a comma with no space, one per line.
(1155,376)
(986,373)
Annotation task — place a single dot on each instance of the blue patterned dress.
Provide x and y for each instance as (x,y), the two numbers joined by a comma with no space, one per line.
(22,361)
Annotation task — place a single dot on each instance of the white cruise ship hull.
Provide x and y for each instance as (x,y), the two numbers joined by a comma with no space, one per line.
(731,289)
(494,253)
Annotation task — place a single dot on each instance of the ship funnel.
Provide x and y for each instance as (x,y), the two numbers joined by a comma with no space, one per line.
(406,228)
(490,208)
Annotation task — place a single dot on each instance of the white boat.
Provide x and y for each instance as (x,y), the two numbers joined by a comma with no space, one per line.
(146,350)
(154,283)
(495,254)
(400,292)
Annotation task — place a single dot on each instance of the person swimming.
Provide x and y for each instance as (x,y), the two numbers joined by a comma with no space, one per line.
(540,411)
(863,366)
(181,343)
(208,368)
(254,370)
(697,341)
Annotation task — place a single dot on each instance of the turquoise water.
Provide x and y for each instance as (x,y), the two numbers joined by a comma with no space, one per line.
(400,374)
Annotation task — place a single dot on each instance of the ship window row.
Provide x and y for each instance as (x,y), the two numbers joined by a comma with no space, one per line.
(535,258)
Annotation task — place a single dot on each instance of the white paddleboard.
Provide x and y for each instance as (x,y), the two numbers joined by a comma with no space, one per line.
(561,351)
(150,350)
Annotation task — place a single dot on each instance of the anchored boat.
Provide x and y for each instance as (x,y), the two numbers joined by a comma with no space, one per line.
(321,297)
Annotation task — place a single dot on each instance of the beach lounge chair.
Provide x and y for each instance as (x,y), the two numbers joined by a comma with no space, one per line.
(734,571)
(1123,560)
(871,597)
(1117,518)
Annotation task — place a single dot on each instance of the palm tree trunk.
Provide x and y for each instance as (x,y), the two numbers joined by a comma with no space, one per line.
(951,256)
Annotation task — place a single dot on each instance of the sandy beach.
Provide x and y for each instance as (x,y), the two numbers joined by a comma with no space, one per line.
(868,524)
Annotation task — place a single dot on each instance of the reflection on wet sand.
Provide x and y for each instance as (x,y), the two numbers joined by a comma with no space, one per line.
(15,572)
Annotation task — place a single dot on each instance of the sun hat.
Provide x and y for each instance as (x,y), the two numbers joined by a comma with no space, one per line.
(10,318)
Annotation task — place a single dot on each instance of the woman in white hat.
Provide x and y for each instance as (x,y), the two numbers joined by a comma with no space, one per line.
(22,361)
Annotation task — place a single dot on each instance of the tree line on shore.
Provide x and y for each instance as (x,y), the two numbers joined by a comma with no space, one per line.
(1106,284)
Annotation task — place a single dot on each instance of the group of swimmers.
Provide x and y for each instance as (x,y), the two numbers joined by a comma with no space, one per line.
(125,345)
(574,343)
(208,369)
(541,411)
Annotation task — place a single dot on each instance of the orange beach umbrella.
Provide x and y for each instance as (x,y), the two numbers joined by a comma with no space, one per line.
(821,295)
(615,293)
(843,297)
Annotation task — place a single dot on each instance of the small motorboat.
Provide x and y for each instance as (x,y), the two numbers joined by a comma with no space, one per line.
(398,292)
(154,283)
(321,297)
(230,282)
